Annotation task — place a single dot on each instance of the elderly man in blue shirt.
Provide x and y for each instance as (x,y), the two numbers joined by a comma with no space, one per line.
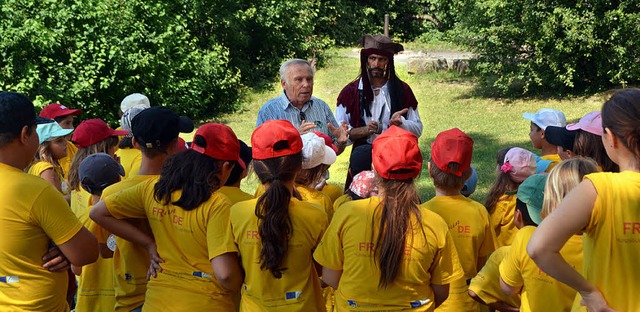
(297,105)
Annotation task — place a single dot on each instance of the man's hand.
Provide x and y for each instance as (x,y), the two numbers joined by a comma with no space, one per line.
(396,118)
(340,133)
(55,261)
(154,266)
(372,127)
(306,127)
(595,302)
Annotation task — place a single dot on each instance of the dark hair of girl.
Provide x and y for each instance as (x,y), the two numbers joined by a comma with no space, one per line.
(193,173)
(590,145)
(502,184)
(400,201)
(125,142)
(311,177)
(272,209)
(621,114)
(103,146)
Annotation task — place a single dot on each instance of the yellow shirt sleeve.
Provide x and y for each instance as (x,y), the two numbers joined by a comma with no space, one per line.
(510,267)
(129,203)
(55,217)
(486,284)
(219,233)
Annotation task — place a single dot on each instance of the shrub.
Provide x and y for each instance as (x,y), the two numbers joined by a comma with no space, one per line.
(557,47)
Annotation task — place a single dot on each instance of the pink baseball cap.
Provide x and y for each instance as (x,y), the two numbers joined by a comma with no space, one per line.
(591,122)
(519,163)
(55,110)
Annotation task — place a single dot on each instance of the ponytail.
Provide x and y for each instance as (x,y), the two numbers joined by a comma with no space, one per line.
(502,184)
(400,201)
(272,209)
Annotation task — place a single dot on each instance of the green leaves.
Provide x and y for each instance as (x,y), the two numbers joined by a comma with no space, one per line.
(553,46)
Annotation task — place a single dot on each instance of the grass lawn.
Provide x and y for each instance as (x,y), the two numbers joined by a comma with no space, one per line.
(446,100)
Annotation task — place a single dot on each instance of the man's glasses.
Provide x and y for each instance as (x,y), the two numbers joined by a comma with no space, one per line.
(303,116)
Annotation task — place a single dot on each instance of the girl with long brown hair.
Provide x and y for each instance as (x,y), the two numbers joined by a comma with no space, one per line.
(386,252)
(277,233)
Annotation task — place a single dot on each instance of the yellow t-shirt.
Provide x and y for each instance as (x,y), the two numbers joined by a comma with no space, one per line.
(130,159)
(95,284)
(332,191)
(33,215)
(299,288)
(234,194)
(317,198)
(38,168)
(340,201)
(130,261)
(612,239)
(65,162)
(470,229)
(501,219)
(347,246)
(555,159)
(540,292)
(187,241)
(486,284)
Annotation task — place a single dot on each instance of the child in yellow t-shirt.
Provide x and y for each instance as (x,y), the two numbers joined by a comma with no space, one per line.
(514,165)
(53,147)
(64,116)
(605,207)
(518,272)
(540,120)
(155,133)
(468,221)
(276,233)
(411,263)
(194,260)
(317,157)
(130,157)
(95,286)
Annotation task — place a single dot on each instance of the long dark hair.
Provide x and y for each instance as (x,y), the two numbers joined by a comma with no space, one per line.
(621,114)
(502,184)
(193,173)
(272,209)
(590,145)
(400,200)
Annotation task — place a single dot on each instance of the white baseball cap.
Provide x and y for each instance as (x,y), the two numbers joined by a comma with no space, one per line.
(547,117)
(315,152)
(134,99)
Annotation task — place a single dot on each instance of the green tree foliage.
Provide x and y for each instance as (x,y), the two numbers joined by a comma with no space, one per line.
(346,21)
(558,46)
(196,56)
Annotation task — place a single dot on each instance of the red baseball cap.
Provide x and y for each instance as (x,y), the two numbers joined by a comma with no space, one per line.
(55,110)
(221,143)
(396,154)
(266,140)
(92,131)
(450,146)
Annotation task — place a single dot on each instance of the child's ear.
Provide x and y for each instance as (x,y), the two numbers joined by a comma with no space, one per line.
(517,219)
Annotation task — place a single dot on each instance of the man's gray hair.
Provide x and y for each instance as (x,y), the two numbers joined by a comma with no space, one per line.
(294,61)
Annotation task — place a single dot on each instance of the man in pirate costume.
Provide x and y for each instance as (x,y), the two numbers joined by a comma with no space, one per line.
(374,101)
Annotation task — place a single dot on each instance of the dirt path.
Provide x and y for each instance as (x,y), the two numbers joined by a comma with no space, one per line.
(402,57)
